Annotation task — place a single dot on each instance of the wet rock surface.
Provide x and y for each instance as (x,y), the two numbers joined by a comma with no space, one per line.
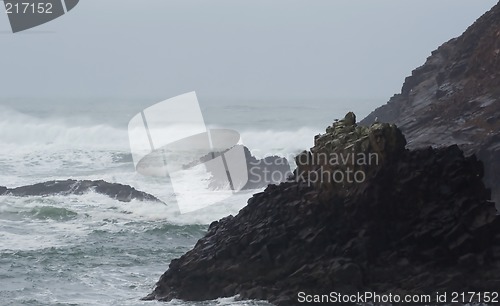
(261,172)
(421,222)
(264,171)
(345,150)
(123,193)
(454,98)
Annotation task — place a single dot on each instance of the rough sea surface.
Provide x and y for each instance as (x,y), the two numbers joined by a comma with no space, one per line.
(90,249)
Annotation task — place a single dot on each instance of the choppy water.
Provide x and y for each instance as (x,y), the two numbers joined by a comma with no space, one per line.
(93,250)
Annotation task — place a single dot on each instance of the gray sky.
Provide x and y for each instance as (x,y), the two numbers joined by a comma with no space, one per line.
(259,49)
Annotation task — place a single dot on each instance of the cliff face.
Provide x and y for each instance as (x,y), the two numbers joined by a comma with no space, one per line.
(420,222)
(454,98)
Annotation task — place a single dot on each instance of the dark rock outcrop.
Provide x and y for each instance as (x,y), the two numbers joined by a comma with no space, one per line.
(268,170)
(454,98)
(420,222)
(261,172)
(123,193)
(345,150)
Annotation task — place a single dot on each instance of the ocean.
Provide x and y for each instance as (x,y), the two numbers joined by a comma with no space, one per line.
(93,250)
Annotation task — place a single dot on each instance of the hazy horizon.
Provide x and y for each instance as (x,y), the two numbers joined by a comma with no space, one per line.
(229,51)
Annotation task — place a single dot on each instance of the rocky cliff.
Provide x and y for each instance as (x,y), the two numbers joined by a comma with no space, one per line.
(418,221)
(454,98)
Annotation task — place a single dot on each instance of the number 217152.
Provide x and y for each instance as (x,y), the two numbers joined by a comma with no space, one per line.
(28,8)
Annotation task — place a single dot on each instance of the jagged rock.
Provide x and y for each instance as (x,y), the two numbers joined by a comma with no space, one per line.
(350,119)
(454,98)
(268,170)
(123,193)
(261,172)
(416,225)
(347,149)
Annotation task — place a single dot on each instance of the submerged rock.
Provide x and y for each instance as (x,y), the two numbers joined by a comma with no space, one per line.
(123,193)
(421,222)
